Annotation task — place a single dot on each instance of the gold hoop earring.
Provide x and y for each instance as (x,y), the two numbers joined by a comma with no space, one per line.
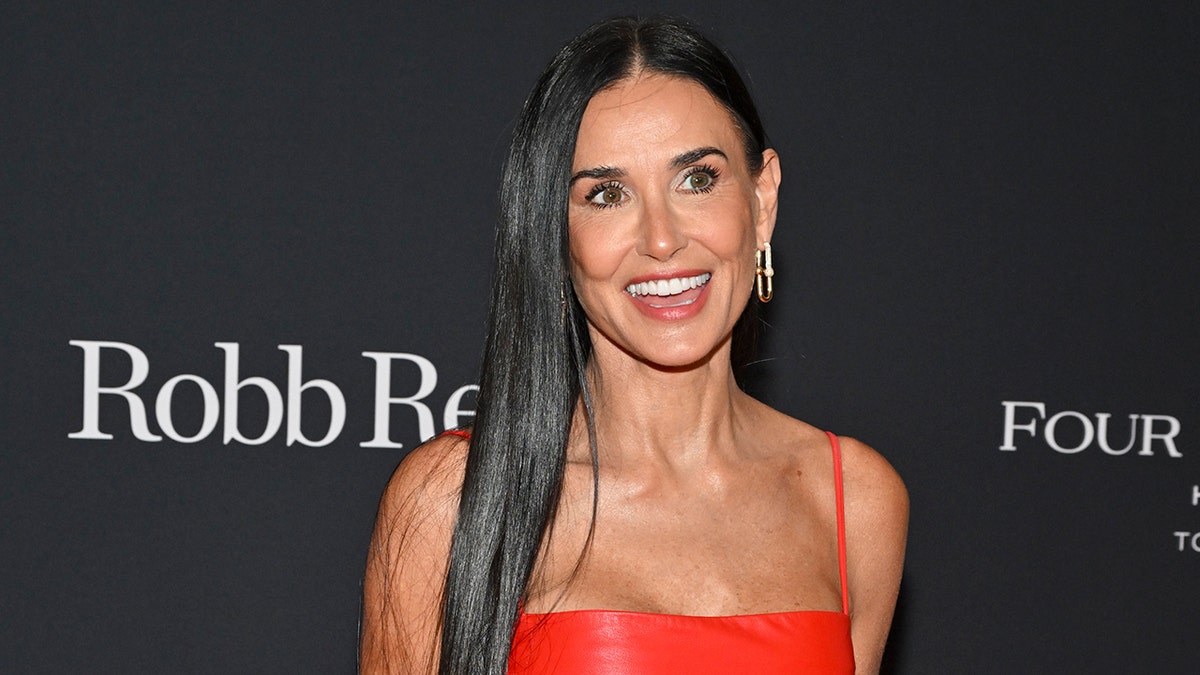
(763,271)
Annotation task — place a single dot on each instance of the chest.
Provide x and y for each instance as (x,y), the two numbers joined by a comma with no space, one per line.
(768,549)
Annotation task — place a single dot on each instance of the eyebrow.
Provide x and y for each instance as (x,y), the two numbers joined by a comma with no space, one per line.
(683,159)
(679,161)
(598,173)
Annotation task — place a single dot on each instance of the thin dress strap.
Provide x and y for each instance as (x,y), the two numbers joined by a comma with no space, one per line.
(841,518)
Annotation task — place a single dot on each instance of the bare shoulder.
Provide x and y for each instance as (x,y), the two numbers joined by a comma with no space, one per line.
(876,529)
(408,558)
(417,510)
(431,474)
(876,499)
(871,482)
(876,512)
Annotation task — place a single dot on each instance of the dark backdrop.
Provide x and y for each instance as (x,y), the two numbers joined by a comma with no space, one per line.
(983,202)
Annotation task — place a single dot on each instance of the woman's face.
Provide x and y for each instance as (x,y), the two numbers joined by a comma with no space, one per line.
(664,219)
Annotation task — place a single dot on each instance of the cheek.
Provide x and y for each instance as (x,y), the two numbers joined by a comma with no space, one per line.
(595,258)
(728,233)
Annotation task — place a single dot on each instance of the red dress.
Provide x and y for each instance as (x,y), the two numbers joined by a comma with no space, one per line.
(638,643)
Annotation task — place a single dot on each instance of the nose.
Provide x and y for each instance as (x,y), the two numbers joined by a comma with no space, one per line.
(661,235)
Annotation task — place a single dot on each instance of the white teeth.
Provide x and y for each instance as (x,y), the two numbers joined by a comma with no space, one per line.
(666,287)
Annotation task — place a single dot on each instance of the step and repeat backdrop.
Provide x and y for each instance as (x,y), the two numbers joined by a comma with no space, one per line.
(246,250)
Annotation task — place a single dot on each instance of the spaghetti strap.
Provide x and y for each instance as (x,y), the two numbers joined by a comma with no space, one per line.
(456,432)
(841,519)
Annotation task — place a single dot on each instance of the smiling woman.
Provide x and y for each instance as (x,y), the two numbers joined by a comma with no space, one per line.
(620,505)
(670,198)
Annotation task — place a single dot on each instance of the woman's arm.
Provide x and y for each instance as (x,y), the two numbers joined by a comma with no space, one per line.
(408,558)
(876,528)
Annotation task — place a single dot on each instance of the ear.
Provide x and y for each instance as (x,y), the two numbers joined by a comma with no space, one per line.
(766,189)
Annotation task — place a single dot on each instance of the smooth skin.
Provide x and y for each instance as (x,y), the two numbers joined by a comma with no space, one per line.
(710,503)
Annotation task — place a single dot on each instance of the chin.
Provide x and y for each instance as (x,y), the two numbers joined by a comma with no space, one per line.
(683,357)
(677,348)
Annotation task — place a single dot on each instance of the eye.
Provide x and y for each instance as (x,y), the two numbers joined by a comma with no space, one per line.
(700,179)
(606,194)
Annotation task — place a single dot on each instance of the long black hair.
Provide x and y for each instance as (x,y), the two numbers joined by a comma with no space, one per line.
(535,359)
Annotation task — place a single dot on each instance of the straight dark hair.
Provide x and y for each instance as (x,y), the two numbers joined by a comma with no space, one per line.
(534,369)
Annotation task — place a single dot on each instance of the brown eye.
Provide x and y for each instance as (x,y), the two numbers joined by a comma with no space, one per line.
(607,195)
(699,181)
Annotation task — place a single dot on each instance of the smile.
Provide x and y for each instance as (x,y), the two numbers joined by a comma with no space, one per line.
(665,288)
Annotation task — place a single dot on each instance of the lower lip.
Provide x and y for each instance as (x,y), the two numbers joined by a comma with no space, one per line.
(676,313)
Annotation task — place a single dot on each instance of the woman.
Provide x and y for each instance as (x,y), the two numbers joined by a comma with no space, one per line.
(621,505)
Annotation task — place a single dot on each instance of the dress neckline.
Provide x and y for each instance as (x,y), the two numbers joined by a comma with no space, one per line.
(636,613)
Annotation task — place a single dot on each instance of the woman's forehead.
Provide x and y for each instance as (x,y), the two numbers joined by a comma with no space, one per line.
(652,115)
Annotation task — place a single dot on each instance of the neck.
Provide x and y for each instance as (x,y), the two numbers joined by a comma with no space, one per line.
(674,419)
